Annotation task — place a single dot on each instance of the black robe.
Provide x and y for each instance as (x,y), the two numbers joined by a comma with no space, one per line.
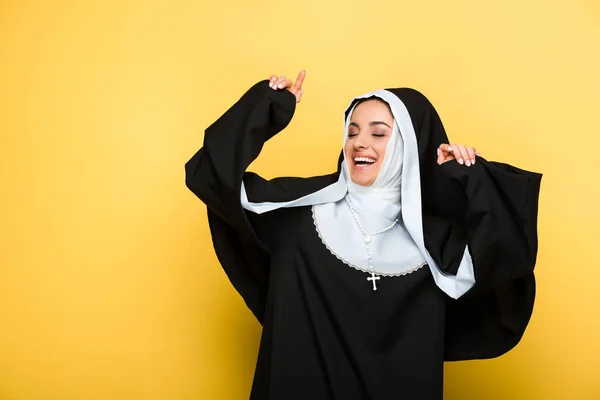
(326,333)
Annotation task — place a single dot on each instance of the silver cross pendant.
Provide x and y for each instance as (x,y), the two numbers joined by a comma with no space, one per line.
(374,278)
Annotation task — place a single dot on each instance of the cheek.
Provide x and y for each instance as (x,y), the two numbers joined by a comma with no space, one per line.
(380,149)
(347,149)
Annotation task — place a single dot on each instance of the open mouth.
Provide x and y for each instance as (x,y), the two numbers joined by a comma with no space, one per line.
(364,161)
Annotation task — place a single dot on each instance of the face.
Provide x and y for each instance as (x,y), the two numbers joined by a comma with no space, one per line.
(368,134)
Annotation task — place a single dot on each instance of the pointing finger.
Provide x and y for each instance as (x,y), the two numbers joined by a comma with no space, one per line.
(300,80)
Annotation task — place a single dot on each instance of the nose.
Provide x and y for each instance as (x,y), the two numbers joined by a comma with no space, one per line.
(360,142)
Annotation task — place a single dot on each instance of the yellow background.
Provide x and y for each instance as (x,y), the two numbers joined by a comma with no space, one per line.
(109,288)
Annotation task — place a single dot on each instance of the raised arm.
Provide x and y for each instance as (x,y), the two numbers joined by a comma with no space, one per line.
(242,242)
(234,141)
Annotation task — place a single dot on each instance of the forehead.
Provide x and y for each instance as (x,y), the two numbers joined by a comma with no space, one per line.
(372,108)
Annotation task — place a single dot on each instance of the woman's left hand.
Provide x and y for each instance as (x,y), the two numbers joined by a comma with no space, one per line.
(462,154)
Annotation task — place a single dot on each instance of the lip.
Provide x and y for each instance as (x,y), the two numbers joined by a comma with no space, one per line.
(362,167)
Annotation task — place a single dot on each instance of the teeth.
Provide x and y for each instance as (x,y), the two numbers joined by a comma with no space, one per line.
(364,159)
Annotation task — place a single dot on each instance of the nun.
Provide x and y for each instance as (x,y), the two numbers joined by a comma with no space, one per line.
(414,252)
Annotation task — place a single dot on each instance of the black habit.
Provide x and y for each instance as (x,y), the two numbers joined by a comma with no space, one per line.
(326,333)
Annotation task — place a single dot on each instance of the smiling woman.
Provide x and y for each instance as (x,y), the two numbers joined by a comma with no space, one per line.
(368,279)
(365,146)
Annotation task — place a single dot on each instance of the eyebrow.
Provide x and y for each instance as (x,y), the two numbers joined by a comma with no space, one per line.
(372,123)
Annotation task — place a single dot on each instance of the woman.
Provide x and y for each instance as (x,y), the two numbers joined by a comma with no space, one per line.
(414,252)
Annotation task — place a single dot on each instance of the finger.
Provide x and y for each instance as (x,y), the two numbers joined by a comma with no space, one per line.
(446,150)
(300,80)
(288,83)
(464,155)
(471,152)
(445,147)
(272,80)
(441,155)
(275,82)
(457,154)
(299,95)
(293,88)
(279,82)
(444,153)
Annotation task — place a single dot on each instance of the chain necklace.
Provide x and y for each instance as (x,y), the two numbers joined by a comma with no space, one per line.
(368,239)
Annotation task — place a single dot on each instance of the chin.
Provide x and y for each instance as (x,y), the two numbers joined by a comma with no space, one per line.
(362,181)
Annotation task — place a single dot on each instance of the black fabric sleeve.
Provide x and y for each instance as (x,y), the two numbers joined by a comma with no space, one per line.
(231,144)
(500,221)
(501,230)
(215,173)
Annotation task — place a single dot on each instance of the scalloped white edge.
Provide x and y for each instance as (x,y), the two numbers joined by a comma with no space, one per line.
(356,267)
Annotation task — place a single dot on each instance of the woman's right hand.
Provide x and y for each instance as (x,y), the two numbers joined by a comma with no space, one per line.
(281,82)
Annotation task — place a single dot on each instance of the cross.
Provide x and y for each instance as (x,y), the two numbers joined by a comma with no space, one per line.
(374,278)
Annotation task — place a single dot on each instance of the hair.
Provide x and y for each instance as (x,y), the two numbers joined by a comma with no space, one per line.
(372,98)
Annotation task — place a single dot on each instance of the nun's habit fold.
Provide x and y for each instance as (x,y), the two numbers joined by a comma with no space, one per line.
(456,272)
